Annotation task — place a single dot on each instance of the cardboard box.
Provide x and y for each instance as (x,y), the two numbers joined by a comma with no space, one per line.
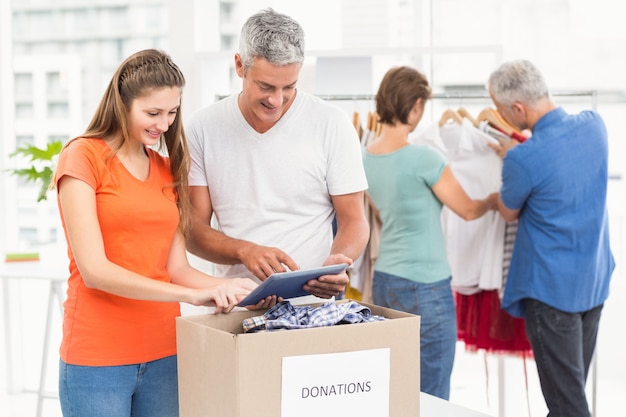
(349,369)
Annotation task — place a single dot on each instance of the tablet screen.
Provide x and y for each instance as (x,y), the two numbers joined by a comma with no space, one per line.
(289,284)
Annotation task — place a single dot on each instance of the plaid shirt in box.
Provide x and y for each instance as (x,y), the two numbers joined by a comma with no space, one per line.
(285,316)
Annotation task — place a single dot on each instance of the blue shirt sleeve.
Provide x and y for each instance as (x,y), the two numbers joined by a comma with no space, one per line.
(516,184)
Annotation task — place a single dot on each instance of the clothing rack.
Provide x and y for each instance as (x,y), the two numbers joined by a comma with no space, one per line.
(479,96)
(464,95)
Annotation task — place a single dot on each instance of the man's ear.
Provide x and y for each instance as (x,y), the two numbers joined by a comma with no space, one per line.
(239,66)
(518,108)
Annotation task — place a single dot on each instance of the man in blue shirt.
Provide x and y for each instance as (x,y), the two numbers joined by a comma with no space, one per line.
(556,185)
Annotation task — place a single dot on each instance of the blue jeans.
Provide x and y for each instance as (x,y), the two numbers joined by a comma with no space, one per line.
(563,345)
(438,333)
(143,390)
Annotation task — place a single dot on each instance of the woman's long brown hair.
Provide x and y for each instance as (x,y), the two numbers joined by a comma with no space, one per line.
(138,75)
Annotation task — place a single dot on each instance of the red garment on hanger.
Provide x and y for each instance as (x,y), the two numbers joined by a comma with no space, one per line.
(482,324)
(514,135)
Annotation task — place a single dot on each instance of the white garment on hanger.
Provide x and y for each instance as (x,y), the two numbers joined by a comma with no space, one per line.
(362,267)
(475,248)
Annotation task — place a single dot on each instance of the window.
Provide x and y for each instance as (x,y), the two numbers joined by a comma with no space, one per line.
(153,16)
(115,19)
(23,85)
(24,111)
(58,110)
(226,11)
(60,138)
(53,234)
(227,42)
(28,234)
(55,85)
(81,21)
(24,140)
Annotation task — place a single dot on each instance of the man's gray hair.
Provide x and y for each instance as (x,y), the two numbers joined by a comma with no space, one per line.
(273,36)
(517,81)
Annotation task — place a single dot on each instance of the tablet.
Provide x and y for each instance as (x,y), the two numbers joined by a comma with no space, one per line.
(289,284)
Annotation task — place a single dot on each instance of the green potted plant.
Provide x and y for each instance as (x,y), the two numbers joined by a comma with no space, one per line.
(41,169)
(35,165)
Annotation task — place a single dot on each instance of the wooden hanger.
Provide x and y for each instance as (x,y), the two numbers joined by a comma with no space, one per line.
(495,119)
(450,115)
(464,113)
(379,126)
(356,122)
(372,129)
(373,123)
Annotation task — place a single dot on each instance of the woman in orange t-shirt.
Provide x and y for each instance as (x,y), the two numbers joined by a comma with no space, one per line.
(125,212)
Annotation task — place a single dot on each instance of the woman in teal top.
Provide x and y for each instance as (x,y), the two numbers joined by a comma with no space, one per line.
(409,184)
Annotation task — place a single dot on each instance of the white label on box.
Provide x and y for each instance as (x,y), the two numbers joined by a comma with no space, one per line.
(332,384)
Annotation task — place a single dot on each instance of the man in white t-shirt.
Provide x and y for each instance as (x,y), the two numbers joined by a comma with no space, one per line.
(275,165)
